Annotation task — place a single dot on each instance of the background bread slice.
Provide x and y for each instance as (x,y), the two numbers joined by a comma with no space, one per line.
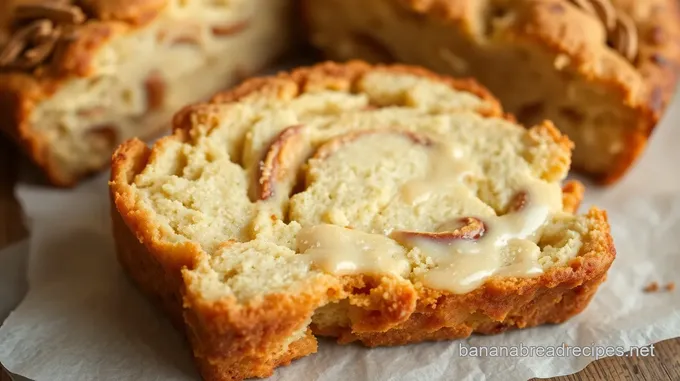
(544,59)
(125,70)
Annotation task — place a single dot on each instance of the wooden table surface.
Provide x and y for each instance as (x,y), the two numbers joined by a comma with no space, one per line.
(664,366)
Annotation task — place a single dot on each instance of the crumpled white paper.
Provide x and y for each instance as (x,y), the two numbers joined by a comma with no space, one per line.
(83,320)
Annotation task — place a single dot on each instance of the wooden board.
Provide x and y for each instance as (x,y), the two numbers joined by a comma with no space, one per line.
(664,366)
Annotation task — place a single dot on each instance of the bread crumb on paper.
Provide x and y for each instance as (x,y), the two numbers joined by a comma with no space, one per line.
(652,287)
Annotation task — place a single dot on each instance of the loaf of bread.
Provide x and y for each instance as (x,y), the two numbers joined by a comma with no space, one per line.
(602,70)
(380,204)
(77,78)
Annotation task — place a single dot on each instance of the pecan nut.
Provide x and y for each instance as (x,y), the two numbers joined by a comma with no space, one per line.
(626,37)
(622,33)
(466,228)
(18,43)
(39,30)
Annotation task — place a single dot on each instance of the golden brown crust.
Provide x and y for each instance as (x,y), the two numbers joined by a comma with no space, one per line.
(128,160)
(233,340)
(658,24)
(572,195)
(324,75)
(135,12)
(502,303)
(146,271)
(219,370)
(18,96)
(155,267)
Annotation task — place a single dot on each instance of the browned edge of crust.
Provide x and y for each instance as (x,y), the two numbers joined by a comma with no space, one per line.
(18,96)
(20,93)
(129,160)
(502,303)
(572,195)
(230,340)
(661,71)
(217,370)
(134,12)
(156,268)
(338,76)
(659,66)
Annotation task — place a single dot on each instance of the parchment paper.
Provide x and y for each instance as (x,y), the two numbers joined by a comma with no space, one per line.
(83,320)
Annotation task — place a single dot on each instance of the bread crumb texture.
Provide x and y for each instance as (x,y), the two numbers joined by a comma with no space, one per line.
(380,204)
